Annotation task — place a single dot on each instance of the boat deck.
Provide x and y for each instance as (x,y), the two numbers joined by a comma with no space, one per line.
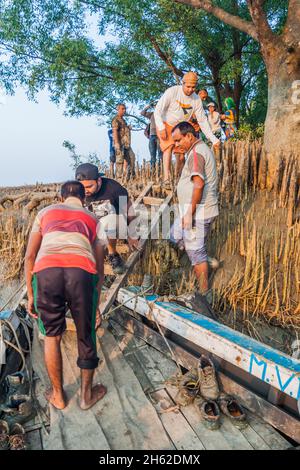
(138,410)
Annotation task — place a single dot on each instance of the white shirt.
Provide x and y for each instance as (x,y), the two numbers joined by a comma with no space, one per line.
(214,121)
(175,106)
(200,161)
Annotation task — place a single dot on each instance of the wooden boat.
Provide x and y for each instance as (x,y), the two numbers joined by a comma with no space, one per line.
(141,346)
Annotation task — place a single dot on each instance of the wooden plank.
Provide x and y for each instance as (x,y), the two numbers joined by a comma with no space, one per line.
(140,373)
(255,440)
(177,428)
(152,201)
(272,438)
(164,364)
(127,342)
(132,260)
(276,417)
(33,440)
(257,359)
(149,366)
(35,427)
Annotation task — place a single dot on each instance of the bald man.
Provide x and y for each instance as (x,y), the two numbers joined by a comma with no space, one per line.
(178,104)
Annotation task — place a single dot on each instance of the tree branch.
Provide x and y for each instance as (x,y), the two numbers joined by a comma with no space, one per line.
(178,72)
(235,21)
(264,32)
(292,27)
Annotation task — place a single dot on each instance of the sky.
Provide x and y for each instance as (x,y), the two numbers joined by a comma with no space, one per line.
(31,137)
(32,134)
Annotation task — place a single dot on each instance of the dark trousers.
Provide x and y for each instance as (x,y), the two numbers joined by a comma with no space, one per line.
(55,289)
(154,149)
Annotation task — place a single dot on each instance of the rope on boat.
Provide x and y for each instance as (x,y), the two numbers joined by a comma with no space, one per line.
(29,369)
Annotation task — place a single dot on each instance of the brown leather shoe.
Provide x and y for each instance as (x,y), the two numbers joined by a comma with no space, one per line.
(231,408)
(210,412)
(17,438)
(209,387)
(188,386)
(4,435)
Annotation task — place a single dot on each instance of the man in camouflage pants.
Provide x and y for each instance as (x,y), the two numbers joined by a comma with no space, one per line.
(125,157)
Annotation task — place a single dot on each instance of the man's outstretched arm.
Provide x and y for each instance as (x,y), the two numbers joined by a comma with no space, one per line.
(204,124)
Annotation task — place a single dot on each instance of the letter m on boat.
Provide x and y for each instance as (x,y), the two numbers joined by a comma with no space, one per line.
(257,367)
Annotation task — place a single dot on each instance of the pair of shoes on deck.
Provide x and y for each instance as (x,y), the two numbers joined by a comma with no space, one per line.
(12,439)
(18,409)
(210,401)
(201,387)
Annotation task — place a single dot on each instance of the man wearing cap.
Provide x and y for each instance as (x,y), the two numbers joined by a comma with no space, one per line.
(178,104)
(154,147)
(214,119)
(111,204)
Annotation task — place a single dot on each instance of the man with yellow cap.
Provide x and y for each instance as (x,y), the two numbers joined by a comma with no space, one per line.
(179,103)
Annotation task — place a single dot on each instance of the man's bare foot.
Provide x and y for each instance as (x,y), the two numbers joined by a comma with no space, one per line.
(98,392)
(57,400)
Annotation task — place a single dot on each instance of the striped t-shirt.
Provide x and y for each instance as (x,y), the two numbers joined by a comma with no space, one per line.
(200,161)
(68,232)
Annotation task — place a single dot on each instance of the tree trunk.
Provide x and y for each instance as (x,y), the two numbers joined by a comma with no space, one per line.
(282,125)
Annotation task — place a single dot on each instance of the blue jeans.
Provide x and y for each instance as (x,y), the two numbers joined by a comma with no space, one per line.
(154,149)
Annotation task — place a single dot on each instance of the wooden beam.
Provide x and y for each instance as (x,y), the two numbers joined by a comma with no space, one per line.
(132,260)
(152,201)
(273,415)
(144,193)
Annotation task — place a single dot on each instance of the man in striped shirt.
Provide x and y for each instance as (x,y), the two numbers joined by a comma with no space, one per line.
(64,267)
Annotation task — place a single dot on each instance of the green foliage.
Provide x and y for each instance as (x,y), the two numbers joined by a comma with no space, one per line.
(77,159)
(49,44)
(246,132)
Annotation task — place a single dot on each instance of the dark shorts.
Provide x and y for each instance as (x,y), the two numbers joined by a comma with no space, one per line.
(55,289)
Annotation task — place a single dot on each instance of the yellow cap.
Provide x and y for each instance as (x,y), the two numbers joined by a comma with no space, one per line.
(190,77)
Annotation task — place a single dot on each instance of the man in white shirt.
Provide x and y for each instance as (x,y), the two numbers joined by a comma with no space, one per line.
(197,192)
(178,104)
(214,119)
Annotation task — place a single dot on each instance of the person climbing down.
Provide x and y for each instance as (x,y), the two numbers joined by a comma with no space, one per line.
(197,192)
(111,204)
(179,103)
(64,266)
